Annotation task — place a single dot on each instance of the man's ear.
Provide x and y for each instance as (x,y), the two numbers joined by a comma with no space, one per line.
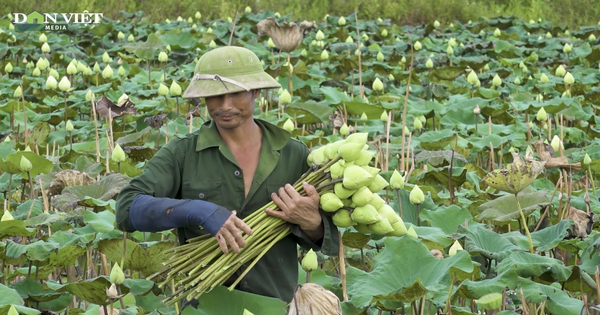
(256,93)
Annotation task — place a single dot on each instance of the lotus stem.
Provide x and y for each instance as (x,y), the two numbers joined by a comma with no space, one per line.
(399,202)
(592,180)
(30,186)
(524,223)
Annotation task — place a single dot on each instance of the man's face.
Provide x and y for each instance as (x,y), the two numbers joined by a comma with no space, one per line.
(230,111)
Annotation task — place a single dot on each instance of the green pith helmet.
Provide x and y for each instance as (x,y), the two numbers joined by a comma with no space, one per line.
(227,70)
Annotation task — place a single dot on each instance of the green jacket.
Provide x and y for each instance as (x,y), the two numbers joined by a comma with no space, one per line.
(201,166)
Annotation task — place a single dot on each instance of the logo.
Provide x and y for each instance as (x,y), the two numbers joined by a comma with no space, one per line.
(36,21)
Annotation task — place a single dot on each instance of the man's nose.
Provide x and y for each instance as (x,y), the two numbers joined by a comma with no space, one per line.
(227,102)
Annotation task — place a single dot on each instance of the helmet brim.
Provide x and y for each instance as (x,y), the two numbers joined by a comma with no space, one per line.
(208,87)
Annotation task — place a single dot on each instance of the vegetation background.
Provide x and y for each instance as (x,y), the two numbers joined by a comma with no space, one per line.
(568,13)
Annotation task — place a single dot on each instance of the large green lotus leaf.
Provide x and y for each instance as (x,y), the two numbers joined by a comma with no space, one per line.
(92,290)
(134,139)
(432,235)
(397,276)
(66,256)
(21,309)
(45,219)
(212,303)
(105,190)
(448,219)
(147,49)
(12,162)
(183,40)
(146,260)
(103,222)
(476,289)
(9,296)
(138,286)
(15,228)
(532,265)
(580,280)
(64,238)
(487,243)
(39,250)
(39,134)
(57,304)
(85,165)
(433,140)
(503,210)
(590,259)
(557,300)
(445,73)
(309,112)
(373,111)
(33,290)
(550,237)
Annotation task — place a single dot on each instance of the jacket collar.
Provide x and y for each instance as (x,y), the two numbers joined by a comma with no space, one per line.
(209,136)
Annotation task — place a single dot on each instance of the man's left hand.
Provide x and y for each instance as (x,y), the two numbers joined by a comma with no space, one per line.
(298,209)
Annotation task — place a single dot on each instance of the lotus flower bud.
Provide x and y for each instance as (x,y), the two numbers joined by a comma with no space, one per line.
(342,192)
(7,216)
(452,42)
(331,149)
(350,151)
(106,58)
(391,77)
(592,37)
(319,35)
(310,261)
(356,177)
(417,46)
(285,97)
(209,30)
(36,72)
(568,78)
(556,143)
(349,39)
(497,32)
(324,54)
(517,81)
(365,215)
(288,125)
(42,38)
(163,89)
(303,53)
(417,124)
(384,116)
(436,24)
(162,56)
(399,228)
(396,180)
(130,38)
(64,84)
(380,56)
(381,227)
(541,115)
(116,274)
(416,196)
(364,158)
(330,202)
(25,165)
(544,78)
(429,64)
(175,89)
(384,32)
(198,15)
(270,43)
(18,92)
(121,71)
(45,48)
(496,81)
(377,202)
(449,51)
(344,130)
(364,117)
(88,95)
(343,219)
(107,73)
(587,160)
(560,71)
(41,64)
(359,137)
(69,126)
(8,68)
(411,232)
(567,48)
(454,248)
(362,196)
(378,184)
(342,21)
(472,78)
(51,82)
(118,155)
(387,212)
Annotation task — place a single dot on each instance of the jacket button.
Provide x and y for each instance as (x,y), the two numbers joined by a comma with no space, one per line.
(245,285)
(236,173)
(201,195)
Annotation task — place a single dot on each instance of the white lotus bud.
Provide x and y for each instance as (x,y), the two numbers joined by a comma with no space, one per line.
(417,45)
(568,78)
(51,82)
(45,48)
(64,84)
(108,72)
(106,58)
(130,38)
(43,38)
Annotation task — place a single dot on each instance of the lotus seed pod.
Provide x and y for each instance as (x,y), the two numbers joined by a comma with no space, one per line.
(381,227)
(175,89)
(356,177)
(106,58)
(36,72)
(450,50)
(288,125)
(303,53)
(560,71)
(567,48)
(378,184)
(162,56)
(496,81)
(416,196)
(319,35)
(454,248)
(362,196)
(69,126)
(556,144)
(330,202)
(88,95)
(497,32)
(472,77)
(490,302)
(18,92)
(310,261)
(411,232)
(399,228)
(342,21)
(436,24)
(350,151)
(429,64)
(541,115)
(25,165)
(51,82)
(396,180)
(544,78)
(7,216)
(377,202)
(343,219)
(517,81)
(384,32)
(163,89)
(45,48)
(359,137)
(365,215)
(568,78)
(592,37)
(130,38)
(417,46)
(364,158)
(118,155)
(324,54)
(116,274)
(8,68)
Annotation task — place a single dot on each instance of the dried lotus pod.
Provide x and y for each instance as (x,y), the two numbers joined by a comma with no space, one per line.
(66,178)
(286,36)
(581,219)
(313,299)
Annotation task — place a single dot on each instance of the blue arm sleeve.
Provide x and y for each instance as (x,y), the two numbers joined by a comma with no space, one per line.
(151,214)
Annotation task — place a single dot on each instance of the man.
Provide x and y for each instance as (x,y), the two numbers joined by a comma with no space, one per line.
(209,180)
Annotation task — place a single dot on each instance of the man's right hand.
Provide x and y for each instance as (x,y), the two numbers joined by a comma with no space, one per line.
(231,233)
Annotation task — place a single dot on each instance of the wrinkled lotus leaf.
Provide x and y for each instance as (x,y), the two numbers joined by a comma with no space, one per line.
(45,219)
(139,153)
(103,222)
(437,157)
(68,178)
(531,265)
(39,250)
(309,112)
(413,275)
(487,243)
(516,176)
(105,189)
(557,301)
(448,219)
(355,239)
(476,289)
(146,50)
(134,139)
(107,108)
(12,162)
(92,290)
(39,134)
(503,210)
(15,228)
(146,260)
(33,290)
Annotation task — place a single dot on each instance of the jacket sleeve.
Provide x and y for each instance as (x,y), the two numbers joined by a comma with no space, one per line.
(329,244)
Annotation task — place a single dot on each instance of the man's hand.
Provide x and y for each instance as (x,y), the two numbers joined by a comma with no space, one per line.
(231,233)
(300,210)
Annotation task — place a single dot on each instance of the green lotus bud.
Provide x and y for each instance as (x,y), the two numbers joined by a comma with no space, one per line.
(116,274)
(18,92)
(53,73)
(356,177)
(391,77)
(51,82)
(490,302)
(380,56)
(121,71)
(365,215)
(568,78)
(349,39)
(452,42)
(472,78)
(7,216)
(69,126)
(285,97)
(343,219)
(417,46)
(403,59)
(517,81)
(364,157)
(396,180)
(42,38)
(198,15)
(436,24)
(384,32)
(331,149)
(416,196)
(560,71)
(106,58)
(120,35)
(248,10)
(330,202)
(88,95)
(541,115)
(359,137)
(411,232)
(270,43)
(341,21)
(417,124)
(130,38)
(45,48)
(548,35)
(381,227)
(96,67)
(377,201)
(25,165)
(320,35)
(399,228)
(384,116)
(556,143)
(8,68)
(12,310)
(342,192)
(449,51)
(288,125)
(567,48)
(213,45)
(350,151)
(118,155)
(163,89)
(454,248)
(41,64)
(324,55)
(310,261)
(303,53)
(496,81)
(36,72)
(388,212)
(378,184)
(162,56)
(364,37)
(362,196)
(364,117)
(587,160)
(592,37)
(64,84)
(179,19)
(373,171)
(497,32)
(107,73)
(209,30)
(544,78)
(175,89)
(429,63)
(344,130)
